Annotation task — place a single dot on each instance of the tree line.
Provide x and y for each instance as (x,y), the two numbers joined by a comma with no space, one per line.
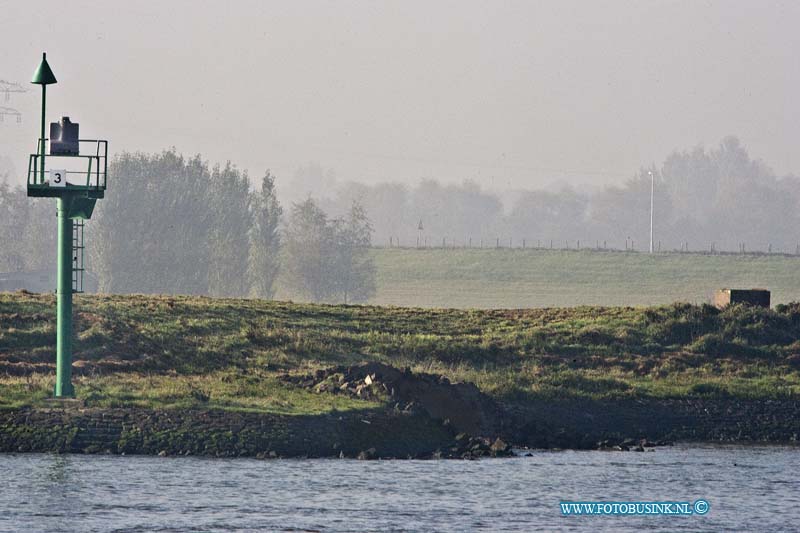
(174,225)
(717,197)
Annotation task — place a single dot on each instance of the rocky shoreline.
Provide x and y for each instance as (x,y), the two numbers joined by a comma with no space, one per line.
(420,416)
(593,424)
(381,433)
(369,434)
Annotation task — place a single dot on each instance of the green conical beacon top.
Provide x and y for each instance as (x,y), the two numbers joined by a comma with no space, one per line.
(44,75)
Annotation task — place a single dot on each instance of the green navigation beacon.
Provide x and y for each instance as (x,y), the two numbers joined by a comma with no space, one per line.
(75,175)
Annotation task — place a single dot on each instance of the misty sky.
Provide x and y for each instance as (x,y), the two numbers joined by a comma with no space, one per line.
(510,94)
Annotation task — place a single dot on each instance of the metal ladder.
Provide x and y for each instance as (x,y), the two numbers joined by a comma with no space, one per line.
(77,255)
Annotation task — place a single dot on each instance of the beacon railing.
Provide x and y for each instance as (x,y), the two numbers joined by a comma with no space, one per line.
(96,171)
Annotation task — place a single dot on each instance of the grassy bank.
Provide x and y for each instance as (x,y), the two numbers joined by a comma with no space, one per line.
(503,278)
(187,352)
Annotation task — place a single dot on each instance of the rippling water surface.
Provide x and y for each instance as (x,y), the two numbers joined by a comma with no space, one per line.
(749,488)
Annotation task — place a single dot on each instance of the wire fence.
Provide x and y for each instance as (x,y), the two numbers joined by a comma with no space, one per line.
(629,245)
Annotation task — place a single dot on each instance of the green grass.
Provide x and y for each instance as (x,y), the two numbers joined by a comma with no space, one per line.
(216,390)
(159,351)
(516,278)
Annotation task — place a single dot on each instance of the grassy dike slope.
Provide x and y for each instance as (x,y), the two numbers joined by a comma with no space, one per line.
(516,278)
(186,354)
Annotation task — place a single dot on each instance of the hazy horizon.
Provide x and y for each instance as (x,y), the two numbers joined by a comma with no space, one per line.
(512,95)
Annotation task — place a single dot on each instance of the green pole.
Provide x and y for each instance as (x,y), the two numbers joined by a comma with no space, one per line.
(41,162)
(44,76)
(64,302)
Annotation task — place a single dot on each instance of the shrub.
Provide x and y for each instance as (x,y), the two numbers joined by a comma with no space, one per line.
(757,325)
(709,344)
(680,323)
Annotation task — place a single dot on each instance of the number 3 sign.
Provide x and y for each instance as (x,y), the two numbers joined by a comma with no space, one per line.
(58,178)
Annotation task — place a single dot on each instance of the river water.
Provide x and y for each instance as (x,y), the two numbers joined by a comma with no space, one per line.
(749,489)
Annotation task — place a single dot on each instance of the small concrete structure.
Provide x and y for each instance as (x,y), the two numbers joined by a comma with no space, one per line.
(756,297)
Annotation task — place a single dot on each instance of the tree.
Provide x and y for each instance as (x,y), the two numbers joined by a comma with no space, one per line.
(353,265)
(150,233)
(228,232)
(549,215)
(27,230)
(691,180)
(329,260)
(309,243)
(14,216)
(265,240)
